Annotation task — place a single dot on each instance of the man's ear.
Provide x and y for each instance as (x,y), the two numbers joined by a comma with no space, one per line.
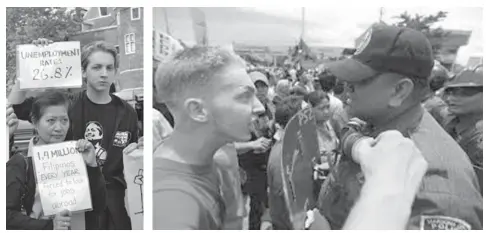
(196,110)
(403,89)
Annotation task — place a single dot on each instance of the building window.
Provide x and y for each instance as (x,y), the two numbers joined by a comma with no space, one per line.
(135,13)
(130,43)
(103,11)
(118,18)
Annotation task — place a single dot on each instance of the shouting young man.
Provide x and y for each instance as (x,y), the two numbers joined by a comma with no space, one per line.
(213,101)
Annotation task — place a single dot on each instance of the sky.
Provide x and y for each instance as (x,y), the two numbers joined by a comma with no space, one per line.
(335,26)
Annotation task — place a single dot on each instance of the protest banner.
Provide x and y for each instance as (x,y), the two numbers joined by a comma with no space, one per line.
(165,46)
(62,178)
(133,171)
(57,65)
(300,152)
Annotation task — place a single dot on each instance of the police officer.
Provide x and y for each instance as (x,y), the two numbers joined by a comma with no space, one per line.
(434,103)
(386,81)
(464,96)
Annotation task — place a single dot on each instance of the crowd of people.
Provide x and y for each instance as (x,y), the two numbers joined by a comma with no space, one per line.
(220,122)
(96,119)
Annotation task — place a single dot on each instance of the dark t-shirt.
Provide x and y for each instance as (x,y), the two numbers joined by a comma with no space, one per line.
(99,127)
(186,197)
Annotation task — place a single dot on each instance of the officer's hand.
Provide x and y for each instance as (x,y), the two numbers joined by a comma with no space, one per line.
(392,160)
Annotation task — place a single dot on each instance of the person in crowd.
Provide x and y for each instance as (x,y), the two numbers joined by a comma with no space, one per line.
(464,97)
(24,208)
(433,102)
(282,90)
(213,101)
(328,82)
(252,159)
(285,110)
(12,124)
(339,117)
(104,119)
(301,93)
(326,135)
(386,85)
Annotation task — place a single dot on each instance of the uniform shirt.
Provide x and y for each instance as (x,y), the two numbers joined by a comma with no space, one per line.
(468,132)
(448,196)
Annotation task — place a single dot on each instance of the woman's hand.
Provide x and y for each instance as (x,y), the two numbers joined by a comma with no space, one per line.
(62,220)
(88,151)
(42,42)
(12,121)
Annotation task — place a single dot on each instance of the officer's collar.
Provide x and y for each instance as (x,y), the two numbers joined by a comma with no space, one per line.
(406,123)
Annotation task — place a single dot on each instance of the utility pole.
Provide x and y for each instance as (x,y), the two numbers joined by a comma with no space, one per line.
(303,23)
(382,12)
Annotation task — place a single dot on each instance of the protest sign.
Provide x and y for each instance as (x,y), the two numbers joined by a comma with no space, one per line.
(61,177)
(57,65)
(300,151)
(165,46)
(133,170)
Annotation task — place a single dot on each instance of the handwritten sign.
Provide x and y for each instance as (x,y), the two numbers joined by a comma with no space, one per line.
(299,152)
(57,65)
(133,170)
(61,177)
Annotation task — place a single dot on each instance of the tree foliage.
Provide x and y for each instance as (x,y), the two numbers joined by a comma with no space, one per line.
(426,25)
(25,24)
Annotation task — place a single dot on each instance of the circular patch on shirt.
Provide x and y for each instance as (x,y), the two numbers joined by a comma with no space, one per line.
(364,42)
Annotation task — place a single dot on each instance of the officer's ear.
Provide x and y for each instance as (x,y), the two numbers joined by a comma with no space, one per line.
(403,89)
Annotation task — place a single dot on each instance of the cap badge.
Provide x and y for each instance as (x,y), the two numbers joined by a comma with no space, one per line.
(364,42)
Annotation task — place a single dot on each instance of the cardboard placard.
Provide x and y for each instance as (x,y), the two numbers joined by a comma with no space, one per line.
(62,178)
(133,170)
(300,151)
(57,65)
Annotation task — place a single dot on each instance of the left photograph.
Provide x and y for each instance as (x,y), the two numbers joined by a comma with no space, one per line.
(75,118)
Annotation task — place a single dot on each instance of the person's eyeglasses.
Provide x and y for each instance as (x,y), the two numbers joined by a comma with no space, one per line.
(463,91)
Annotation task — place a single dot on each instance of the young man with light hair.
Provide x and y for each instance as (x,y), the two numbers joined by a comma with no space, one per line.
(213,101)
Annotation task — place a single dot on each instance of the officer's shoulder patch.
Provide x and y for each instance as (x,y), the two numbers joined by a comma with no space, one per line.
(438,222)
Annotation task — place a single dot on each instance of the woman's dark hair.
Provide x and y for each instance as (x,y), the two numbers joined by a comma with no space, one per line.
(327,81)
(45,100)
(98,46)
(316,97)
(286,109)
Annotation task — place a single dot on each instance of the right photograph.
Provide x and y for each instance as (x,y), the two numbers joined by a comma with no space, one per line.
(318,118)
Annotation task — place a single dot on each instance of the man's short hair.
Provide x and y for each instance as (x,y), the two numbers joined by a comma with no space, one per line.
(191,70)
(286,109)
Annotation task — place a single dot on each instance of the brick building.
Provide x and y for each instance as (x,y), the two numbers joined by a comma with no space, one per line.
(123,27)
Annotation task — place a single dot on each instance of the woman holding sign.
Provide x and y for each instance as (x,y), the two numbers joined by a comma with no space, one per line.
(49,115)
